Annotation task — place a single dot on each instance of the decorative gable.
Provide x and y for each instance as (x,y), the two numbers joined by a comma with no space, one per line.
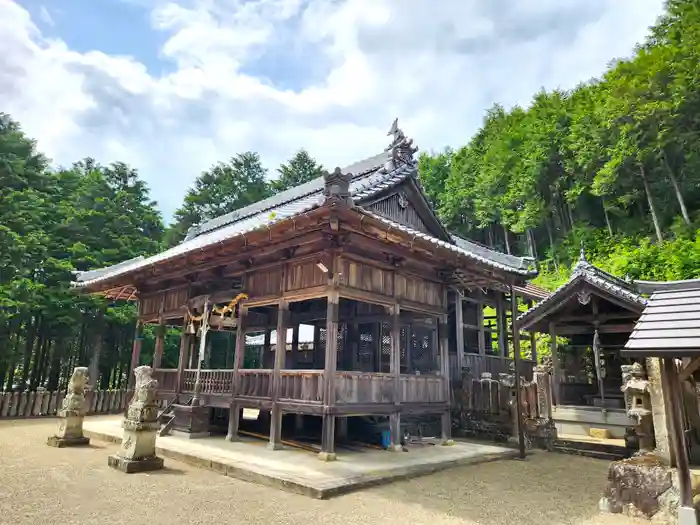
(407,205)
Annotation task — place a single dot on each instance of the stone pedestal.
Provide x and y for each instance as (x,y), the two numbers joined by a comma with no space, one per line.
(643,487)
(70,431)
(191,421)
(72,413)
(138,450)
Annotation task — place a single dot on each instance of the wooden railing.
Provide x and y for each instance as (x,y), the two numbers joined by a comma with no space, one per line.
(167,379)
(480,363)
(212,381)
(422,389)
(254,383)
(302,385)
(307,385)
(363,388)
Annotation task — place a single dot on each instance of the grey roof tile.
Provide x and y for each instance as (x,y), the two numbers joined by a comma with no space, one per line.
(670,323)
(482,256)
(585,271)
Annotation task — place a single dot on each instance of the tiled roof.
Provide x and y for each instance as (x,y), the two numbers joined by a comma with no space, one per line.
(484,255)
(586,272)
(670,323)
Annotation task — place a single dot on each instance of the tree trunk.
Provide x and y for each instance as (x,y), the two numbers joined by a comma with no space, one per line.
(28,349)
(652,208)
(607,217)
(677,191)
(551,245)
(505,236)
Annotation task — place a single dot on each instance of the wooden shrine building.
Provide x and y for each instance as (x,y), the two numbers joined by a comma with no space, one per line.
(358,260)
(596,312)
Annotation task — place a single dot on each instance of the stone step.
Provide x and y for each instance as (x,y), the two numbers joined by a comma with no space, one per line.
(597,454)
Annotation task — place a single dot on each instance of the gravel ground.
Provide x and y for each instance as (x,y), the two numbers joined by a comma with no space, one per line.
(41,485)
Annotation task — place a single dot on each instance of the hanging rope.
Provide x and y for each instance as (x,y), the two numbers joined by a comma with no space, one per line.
(230,306)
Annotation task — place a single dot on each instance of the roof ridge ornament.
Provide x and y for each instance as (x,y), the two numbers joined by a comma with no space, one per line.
(401,147)
(582,263)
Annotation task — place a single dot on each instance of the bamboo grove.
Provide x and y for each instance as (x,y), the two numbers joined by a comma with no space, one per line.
(614,163)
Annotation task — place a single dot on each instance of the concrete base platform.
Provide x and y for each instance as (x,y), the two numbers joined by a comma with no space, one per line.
(301,471)
(55,441)
(131,466)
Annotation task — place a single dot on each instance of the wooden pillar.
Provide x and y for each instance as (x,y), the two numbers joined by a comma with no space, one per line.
(533,339)
(294,358)
(328,432)
(184,354)
(265,360)
(445,418)
(395,370)
(518,371)
(502,326)
(556,365)
(234,413)
(160,343)
(136,351)
(280,356)
(459,327)
(685,488)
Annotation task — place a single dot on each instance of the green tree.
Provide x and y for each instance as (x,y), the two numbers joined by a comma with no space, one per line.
(301,168)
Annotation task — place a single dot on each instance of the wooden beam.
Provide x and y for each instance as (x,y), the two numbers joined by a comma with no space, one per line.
(688,370)
(459,327)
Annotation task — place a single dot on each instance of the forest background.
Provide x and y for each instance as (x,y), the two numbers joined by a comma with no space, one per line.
(613,164)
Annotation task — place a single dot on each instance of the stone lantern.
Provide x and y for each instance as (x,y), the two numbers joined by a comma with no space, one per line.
(635,387)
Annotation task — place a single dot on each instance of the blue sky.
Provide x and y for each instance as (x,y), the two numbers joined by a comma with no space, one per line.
(172,86)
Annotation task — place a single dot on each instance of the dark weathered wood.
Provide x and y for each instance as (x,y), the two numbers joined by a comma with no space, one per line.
(280,355)
(678,432)
(135,350)
(516,357)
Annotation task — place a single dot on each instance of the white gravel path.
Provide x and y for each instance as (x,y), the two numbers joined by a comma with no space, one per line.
(40,485)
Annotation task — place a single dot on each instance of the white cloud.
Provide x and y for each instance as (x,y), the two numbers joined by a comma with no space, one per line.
(435,65)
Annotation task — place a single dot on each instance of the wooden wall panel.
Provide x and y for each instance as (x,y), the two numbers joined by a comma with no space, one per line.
(304,275)
(397,207)
(175,299)
(151,304)
(264,283)
(418,291)
(365,277)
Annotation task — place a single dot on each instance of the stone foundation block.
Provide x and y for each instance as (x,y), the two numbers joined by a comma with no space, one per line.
(327,456)
(59,442)
(599,433)
(132,466)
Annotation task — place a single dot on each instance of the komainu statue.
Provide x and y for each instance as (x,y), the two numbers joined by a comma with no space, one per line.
(72,412)
(138,450)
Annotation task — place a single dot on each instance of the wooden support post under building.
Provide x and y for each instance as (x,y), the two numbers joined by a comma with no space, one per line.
(184,354)
(445,417)
(280,356)
(459,327)
(556,365)
(234,413)
(518,371)
(294,357)
(685,488)
(160,343)
(395,370)
(136,351)
(328,431)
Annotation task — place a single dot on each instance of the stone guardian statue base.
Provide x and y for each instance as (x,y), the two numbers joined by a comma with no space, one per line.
(72,413)
(138,449)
